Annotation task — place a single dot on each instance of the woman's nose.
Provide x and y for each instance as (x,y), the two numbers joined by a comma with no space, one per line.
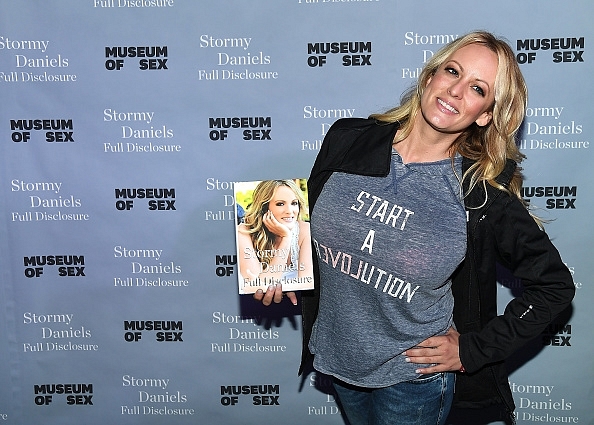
(455,90)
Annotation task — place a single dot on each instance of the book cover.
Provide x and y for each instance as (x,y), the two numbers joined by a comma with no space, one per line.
(272,235)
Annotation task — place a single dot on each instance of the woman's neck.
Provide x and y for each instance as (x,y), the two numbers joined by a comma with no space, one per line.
(425,145)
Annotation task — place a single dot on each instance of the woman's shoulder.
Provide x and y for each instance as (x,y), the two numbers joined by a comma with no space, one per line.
(351,130)
(303,225)
(352,124)
(346,131)
(242,230)
(304,231)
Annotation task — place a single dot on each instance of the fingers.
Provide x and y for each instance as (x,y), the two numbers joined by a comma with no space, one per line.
(430,354)
(274,293)
(258,295)
(432,369)
(432,364)
(274,225)
(292,297)
(270,221)
(441,352)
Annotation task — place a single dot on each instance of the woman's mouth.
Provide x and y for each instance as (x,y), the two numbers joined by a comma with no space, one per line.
(447,106)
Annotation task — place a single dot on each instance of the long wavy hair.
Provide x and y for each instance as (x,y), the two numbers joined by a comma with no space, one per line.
(490,145)
(262,238)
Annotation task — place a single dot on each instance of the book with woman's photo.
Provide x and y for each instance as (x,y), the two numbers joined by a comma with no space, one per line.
(272,235)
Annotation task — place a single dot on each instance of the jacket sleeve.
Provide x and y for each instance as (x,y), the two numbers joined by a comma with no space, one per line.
(528,253)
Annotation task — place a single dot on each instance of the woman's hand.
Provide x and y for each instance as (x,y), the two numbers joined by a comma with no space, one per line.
(275,226)
(274,293)
(442,351)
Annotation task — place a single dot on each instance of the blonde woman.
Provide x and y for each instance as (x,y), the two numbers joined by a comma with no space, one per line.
(421,202)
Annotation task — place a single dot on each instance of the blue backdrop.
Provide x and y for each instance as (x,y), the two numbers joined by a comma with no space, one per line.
(118,294)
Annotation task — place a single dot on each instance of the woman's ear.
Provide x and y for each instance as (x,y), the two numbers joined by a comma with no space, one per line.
(484,119)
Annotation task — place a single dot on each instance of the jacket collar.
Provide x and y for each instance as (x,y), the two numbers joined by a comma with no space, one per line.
(371,157)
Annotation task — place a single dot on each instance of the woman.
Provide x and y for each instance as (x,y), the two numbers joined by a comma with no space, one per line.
(432,191)
(274,242)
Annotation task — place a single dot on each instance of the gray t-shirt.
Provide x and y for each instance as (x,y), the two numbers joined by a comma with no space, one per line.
(387,247)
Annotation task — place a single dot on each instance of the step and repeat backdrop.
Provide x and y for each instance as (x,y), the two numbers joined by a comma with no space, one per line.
(123,127)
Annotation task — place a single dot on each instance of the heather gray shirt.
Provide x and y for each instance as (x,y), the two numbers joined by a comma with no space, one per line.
(387,247)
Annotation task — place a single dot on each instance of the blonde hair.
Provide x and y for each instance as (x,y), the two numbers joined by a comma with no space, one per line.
(262,238)
(491,145)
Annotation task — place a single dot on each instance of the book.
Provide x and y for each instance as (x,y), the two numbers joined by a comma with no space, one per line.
(272,235)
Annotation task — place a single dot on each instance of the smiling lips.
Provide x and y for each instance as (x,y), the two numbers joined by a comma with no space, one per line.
(447,106)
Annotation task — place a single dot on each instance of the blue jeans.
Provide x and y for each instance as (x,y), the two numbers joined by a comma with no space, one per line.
(423,401)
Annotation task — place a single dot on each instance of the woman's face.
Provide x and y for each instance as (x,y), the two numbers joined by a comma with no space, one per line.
(284,206)
(462,91)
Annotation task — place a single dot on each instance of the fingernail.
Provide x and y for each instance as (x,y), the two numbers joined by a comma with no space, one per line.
(407,359)
(270,288)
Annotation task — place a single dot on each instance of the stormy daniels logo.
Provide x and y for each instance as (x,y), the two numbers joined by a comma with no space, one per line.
(562,131)
(542,403)
(325,384)
(325,116)
(236,64)
(165,330)
(41,204)
(148,58)
(252,128)
(158,274)
(53,130)
(158,199)
(353,53)
(54,335)
(155,397)
(429,44)
(568,49)
(557,197)
(239,340)
(133,128)
(228,200)
(30,63)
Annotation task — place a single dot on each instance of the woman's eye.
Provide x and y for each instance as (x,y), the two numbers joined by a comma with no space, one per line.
(479,90)
(295,203)
(451,71)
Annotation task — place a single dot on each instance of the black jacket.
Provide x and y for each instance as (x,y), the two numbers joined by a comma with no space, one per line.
(500,229)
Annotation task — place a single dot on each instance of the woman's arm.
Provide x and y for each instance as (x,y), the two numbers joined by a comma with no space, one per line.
(528,253)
